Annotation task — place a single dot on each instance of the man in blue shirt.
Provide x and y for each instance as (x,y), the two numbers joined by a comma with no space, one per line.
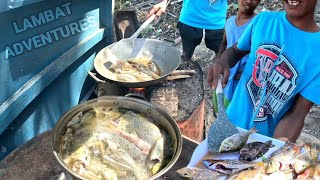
(281,80)
(196,17)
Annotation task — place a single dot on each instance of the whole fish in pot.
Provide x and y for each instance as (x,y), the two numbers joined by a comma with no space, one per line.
(281,159)
(254,150)
(198,173)
(236,141)
(227,166)
(306,159)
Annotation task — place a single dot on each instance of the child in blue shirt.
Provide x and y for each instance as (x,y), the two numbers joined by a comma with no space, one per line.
(234,28)
(281,80)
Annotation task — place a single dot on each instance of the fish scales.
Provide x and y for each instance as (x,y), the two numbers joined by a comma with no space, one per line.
(306,159)
(281,158)
(254,150)
(194,173)
(236,141)
(134,123)
(227,166)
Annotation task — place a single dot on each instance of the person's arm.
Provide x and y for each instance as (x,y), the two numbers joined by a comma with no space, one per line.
(223,45)
(228,59)
(158,9)
(290,126)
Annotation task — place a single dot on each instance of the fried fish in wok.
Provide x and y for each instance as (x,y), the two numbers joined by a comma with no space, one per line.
(135,70)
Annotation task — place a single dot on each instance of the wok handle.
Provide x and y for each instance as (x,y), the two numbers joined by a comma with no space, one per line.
(143,26)
(93,76)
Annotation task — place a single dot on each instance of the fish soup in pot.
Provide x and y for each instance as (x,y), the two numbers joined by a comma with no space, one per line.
(116,138)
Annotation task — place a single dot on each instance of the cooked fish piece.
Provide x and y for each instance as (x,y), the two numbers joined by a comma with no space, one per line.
(306,159)
(126,77)
(108,113)
(137,124)
(281,158)
(142,145)
(236,141)
(227,166)
(198,174)
(254,150)
(124,144)
(135,70)
(156,155)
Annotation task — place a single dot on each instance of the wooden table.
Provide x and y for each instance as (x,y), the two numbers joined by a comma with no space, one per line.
(35,160)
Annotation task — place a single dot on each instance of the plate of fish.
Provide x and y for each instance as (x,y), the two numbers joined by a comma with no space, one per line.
(249,155)
(116,138)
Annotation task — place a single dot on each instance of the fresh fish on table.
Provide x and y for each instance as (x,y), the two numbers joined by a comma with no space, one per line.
(316,175)
(198,173)
(254,150)
(236,141)
(285,175)
(258,173)
(227,166)
(306,159)
(280,159)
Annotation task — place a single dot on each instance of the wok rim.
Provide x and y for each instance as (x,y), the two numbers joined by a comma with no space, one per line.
(172,122)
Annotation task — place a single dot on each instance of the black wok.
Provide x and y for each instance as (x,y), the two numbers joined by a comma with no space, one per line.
(166,57)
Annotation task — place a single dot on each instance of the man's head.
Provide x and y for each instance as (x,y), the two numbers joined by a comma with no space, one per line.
(248,6)
(299,8)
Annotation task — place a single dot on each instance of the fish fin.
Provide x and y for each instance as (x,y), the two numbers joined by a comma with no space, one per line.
(269,143)
(297,148)
(209,162)
(307,147)
(253,130)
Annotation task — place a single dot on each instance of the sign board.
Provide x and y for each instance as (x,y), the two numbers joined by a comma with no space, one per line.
(46,49)
(31,41)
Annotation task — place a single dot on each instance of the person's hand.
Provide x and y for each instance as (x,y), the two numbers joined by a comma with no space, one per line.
(214,71)
(158,9)
(284,139)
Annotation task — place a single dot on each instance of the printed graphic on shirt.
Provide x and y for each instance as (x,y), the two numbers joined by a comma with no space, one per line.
(273,81)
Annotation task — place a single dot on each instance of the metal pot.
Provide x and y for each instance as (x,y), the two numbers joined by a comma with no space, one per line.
(160,116)
(165,56)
